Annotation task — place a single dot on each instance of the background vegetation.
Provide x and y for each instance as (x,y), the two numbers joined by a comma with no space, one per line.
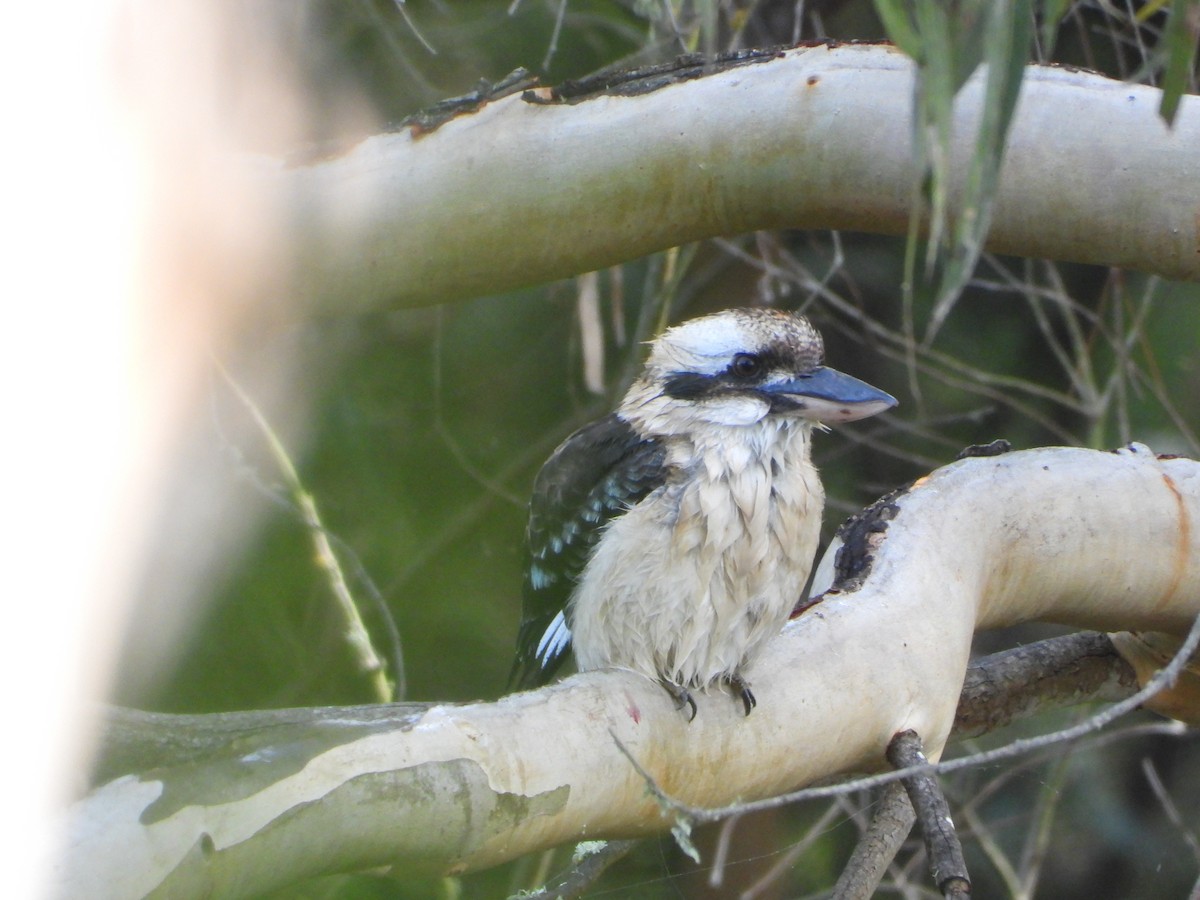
(423,430)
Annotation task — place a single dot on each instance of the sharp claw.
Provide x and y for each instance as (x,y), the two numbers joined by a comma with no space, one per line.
(682,697)
(748,700)
(739,684)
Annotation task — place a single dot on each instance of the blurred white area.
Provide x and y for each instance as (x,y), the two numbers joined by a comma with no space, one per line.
(133,252)
(79,417)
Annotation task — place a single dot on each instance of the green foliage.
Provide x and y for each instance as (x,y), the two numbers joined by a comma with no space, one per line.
(950,41)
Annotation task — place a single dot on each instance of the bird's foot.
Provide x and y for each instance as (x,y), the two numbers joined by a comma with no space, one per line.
(737,683)
(683,697)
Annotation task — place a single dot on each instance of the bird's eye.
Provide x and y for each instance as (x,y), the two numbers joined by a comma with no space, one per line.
(746,365)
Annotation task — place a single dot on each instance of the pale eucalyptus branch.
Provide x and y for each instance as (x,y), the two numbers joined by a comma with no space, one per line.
(1098,539)
(525,189)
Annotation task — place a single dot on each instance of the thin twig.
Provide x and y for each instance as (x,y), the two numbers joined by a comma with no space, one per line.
(558,24)
(1037,840)
(667,802)
(412,26)
(793,853)
(716,874)
(355,632)
(1169,807)
(995,854)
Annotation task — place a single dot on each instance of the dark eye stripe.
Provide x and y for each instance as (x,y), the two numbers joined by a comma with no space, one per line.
(745,371)
(688,386)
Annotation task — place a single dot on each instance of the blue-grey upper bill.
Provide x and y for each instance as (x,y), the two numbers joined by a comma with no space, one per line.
(828,395)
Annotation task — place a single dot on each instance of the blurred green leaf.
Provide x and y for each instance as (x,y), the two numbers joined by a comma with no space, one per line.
(897,21)
(1009,34)
(1180,38)
(1052,13)
(948,41)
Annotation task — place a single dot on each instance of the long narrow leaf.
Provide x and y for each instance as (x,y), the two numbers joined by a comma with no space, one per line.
(1180,38)
(1009,34)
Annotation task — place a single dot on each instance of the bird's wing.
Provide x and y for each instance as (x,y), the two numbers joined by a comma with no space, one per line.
(594,476)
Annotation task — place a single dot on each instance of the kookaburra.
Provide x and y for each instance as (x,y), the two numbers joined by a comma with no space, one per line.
(674,537)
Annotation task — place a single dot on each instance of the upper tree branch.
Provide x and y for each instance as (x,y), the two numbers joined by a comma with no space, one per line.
(520,188)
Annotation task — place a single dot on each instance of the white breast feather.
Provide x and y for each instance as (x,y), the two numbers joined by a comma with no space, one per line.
(691,582)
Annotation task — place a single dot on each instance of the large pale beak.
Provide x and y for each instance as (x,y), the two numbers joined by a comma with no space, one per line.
(827,395)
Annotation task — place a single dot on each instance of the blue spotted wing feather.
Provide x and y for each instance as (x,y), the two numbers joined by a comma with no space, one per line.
(595,475)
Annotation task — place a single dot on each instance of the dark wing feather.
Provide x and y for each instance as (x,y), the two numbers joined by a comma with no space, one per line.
(594,476)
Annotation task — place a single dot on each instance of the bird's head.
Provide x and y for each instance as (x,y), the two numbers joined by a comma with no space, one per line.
(739,367)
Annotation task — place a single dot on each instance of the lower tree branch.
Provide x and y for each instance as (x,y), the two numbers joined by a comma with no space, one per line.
(249,802)
(1016,683)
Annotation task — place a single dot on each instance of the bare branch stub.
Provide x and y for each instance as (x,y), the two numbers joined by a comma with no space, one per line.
(933,812)
(995,448)
(626,82)
(433,118)
(646,79)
